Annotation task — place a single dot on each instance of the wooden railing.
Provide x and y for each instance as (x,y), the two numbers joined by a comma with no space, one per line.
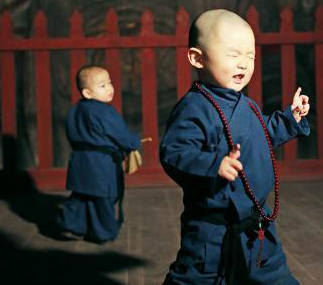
(48,177)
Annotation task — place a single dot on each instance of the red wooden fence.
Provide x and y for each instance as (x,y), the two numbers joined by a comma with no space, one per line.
(48,177)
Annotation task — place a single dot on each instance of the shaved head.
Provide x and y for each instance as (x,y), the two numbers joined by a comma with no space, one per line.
(84,73)
(222,49)
(210,23)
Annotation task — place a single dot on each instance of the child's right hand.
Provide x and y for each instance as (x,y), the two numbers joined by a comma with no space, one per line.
(230,165)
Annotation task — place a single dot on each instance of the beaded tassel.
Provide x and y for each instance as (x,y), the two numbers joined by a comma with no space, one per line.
(261,237)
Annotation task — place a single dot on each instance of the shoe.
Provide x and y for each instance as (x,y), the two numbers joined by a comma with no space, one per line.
(70,235)
(95,240)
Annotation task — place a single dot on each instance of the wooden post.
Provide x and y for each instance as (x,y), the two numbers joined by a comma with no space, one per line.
(255,85)
(288,73)
(7,77)
(149,93)
(77,56)
(113,59)
(184,72)
(43,97)
(319,82)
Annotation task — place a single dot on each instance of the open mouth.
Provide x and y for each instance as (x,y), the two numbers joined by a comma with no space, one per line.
(238,78)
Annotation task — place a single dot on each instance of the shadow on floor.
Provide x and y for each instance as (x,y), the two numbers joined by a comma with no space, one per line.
(18,190)
(13,179)
(35,207)
(19,265)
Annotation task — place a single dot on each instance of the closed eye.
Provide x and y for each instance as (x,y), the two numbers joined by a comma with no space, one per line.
(232,55)
(251,56)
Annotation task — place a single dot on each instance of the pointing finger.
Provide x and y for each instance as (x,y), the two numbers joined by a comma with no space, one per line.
(298,92)
(296,98)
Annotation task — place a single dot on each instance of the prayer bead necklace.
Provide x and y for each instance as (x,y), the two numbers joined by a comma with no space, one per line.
(232,147)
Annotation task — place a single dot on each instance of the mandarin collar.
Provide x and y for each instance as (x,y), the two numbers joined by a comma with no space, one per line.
(229,96)
(91,101)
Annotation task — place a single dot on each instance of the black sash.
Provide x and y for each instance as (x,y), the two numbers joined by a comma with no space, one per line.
(117,156)
(233,261)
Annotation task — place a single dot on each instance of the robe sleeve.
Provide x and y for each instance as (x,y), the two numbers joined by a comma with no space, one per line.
(184,146)
(112,125)
(283,127)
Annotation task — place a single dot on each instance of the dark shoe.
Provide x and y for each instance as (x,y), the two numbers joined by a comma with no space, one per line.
(96,240)
(68,235)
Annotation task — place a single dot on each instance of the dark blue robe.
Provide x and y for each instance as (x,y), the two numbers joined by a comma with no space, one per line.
(191,151)
(100,139)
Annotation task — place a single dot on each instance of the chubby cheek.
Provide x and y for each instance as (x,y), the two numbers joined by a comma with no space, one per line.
(110,97)
(228,70)
(248,76)
(219,72)
(226,76)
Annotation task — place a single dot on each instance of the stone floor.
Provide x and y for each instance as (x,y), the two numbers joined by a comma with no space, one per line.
(147,242)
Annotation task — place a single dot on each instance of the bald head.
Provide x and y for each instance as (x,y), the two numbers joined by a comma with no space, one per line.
(83,74)
(211,23)
(222,49)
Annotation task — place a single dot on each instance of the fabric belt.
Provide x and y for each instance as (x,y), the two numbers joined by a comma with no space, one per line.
(233,260)
(117,156)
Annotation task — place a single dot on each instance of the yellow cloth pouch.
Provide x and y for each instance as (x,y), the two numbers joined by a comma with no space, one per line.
(133,162)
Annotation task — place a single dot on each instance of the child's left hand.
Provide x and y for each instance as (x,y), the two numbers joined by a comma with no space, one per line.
(300,105)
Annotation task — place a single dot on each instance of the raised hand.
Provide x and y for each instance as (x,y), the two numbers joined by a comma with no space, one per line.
(230,165)
(300,105)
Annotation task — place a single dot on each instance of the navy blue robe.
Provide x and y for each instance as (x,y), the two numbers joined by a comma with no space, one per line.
(92,172)
(191,151)
(100,139)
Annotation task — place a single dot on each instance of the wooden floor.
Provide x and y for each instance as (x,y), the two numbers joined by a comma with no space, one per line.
(147,243)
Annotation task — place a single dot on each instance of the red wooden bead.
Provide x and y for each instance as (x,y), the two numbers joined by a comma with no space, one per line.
(244,180)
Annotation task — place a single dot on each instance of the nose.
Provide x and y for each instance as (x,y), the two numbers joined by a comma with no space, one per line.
(242,64)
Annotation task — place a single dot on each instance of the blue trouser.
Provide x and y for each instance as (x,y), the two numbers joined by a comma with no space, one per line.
(90,216)
(198,260)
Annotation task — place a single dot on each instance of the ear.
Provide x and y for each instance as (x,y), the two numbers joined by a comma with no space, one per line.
(86,93)
(195,57)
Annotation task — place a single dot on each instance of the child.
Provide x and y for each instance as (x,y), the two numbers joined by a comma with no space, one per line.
(215,134)
(100,139)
